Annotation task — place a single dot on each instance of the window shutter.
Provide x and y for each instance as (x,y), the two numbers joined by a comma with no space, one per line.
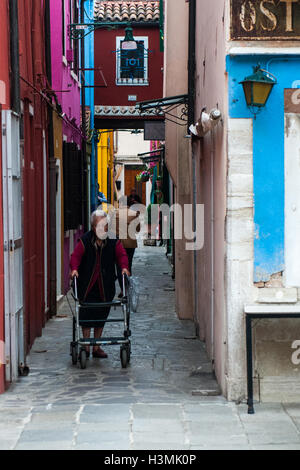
(72,166)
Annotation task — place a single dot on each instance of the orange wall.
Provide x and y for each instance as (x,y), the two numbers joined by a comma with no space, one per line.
(4,55)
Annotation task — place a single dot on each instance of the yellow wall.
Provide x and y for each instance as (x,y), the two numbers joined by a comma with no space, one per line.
(105,161)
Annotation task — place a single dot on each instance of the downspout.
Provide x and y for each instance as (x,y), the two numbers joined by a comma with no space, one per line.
(191,120)
(52,173)
(14,56)
(89,61)
(192,62)
(84,157)
(212,202)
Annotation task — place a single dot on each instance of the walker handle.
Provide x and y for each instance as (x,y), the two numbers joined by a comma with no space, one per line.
(124,276)
(75,287)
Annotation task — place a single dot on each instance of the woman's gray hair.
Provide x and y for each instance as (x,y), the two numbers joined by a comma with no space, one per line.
(95,214)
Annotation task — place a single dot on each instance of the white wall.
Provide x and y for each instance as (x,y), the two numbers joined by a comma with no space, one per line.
(130,145)
(239,252)
(292,200)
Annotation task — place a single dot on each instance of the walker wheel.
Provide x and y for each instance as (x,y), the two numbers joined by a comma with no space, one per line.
(124,357)
(82,359)
(74,355)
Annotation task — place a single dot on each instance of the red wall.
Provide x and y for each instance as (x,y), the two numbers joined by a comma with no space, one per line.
(2,333)
(105,58)
(4,104)
(32,69)
(4,53)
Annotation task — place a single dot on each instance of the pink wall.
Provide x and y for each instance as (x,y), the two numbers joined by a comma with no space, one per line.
(178,155)
(175,71)
(210,166)
(62,78)
(211,85)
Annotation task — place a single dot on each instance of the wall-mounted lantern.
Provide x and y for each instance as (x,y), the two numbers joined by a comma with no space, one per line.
(129,44)
(257,88)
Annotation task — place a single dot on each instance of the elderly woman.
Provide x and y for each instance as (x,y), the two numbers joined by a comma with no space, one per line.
(93,263)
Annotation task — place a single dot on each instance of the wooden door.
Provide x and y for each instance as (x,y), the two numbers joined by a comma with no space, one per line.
(13,246)
(131,182)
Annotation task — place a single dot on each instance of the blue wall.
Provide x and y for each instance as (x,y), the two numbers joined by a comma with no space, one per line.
(268,156)
(89,95)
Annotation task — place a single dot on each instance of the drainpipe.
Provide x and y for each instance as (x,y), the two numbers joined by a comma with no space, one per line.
(212,215)
(14,56)
(192,62)
(52,174)
(84,158)
(191,120)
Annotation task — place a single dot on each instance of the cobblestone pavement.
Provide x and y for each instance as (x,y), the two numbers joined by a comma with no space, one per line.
(167,399)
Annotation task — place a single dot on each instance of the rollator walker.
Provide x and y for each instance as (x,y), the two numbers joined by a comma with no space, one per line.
(77,346)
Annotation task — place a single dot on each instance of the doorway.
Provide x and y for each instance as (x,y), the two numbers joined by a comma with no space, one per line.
(131,171)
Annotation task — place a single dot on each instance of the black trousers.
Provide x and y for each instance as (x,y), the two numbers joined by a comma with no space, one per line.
(130,254)
(90,314)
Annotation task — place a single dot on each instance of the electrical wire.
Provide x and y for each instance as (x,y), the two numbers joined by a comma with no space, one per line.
(49,102)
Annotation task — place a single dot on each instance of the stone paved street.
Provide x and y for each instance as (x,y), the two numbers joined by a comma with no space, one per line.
(167,398)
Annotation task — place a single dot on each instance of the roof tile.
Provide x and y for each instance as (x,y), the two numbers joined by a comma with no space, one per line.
(120,10)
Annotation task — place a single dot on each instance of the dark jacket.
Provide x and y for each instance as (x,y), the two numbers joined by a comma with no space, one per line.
(88,265)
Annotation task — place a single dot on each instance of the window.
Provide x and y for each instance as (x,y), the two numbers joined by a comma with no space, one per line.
(74,18)
(132,65)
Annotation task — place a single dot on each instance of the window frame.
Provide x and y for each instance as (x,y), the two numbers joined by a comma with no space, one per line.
(119,82)
(74,18)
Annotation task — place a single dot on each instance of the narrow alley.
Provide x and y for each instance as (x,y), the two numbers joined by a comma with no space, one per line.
(167,398)
(166,356)
(155,142)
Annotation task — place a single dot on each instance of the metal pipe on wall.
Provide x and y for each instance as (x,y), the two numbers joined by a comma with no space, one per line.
(52,174)
(85,215)
(192,62)
(191,120)
(14,56)
(212,197)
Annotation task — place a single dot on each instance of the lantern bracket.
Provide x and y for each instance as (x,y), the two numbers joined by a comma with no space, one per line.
(78,31)
(168,107)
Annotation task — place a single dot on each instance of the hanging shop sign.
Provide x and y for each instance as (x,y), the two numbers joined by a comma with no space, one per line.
(154,130)
(265,19)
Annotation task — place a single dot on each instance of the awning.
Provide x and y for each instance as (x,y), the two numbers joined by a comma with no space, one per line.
(152,156)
